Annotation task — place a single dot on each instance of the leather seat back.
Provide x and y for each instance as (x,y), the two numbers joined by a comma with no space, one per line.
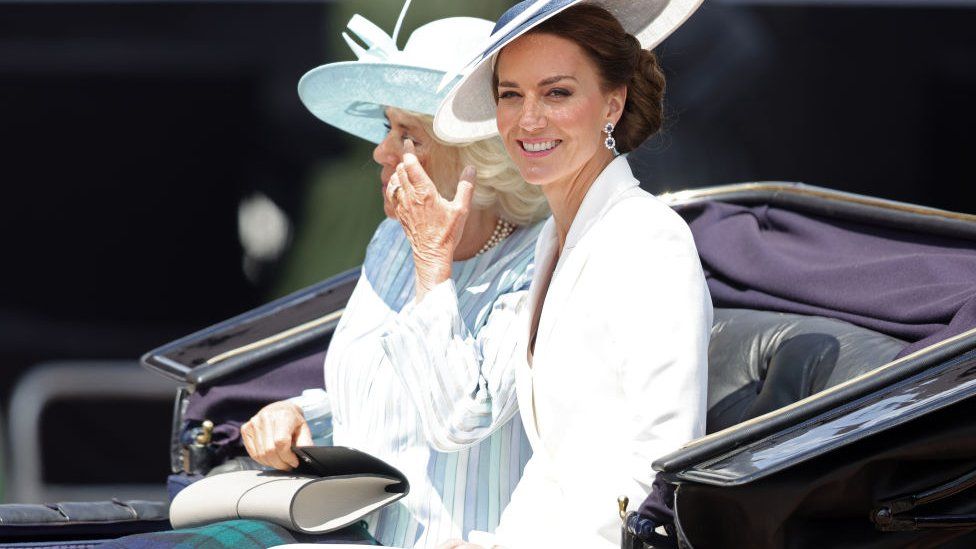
(759,361)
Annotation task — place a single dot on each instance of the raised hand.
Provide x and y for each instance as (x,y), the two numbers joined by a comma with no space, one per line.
(432,223)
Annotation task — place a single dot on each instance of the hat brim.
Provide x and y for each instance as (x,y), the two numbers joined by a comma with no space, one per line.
(353,95)
(468,111)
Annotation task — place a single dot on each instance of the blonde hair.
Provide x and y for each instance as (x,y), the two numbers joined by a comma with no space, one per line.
(500,185)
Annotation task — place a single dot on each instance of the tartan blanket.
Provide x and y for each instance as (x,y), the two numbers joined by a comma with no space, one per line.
(236,534)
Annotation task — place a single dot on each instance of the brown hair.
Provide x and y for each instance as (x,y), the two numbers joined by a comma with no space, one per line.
(621,61)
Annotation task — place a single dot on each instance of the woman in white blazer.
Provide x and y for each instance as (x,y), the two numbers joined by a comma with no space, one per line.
(611,344)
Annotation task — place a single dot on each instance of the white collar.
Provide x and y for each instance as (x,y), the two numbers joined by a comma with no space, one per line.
(615,179)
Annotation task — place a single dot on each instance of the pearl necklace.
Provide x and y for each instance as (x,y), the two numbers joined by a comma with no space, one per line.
(502,230)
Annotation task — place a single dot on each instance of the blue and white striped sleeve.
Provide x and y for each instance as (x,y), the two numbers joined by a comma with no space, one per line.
(463,384)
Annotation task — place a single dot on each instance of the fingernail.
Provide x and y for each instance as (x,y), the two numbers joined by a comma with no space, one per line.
(408,146)
(409,158)
(469,174)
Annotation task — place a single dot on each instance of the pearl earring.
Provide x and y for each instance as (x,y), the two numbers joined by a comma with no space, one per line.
(610,142)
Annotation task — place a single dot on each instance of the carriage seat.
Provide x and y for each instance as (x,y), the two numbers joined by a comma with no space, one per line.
(759,361)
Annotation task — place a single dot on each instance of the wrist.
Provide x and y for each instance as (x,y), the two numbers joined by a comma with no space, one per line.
(431,270)
(312,403)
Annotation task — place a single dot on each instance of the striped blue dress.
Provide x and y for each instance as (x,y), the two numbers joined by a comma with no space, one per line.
(463,484)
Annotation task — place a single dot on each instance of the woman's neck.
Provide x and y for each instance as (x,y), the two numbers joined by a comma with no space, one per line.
(565,196)
(478,228)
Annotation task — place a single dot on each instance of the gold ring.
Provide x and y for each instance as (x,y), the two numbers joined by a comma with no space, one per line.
(396,187)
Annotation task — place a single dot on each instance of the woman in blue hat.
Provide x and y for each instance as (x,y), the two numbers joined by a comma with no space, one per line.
(612,342)
(388,96)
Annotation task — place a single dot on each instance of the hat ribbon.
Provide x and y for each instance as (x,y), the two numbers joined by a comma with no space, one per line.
(490,42)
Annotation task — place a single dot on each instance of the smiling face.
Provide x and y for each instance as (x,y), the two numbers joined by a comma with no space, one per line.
(437,159)
(552,108)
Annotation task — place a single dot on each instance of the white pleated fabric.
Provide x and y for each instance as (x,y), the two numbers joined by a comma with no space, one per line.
(451,492)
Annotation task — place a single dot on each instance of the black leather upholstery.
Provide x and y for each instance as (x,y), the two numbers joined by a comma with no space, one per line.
(760,361)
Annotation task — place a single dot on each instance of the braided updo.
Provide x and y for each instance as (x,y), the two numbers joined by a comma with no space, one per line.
(620,61)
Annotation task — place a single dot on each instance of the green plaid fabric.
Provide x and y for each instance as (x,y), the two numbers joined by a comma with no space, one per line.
(236,534)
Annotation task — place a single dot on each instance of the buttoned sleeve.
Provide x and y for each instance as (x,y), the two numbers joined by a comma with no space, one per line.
(463,383)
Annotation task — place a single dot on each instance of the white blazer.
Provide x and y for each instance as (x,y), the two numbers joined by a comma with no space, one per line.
(618,374)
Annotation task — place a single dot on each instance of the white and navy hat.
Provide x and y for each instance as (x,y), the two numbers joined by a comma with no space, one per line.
(352,95)
(468,111)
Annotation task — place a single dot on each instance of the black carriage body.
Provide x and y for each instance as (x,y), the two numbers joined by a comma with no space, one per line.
(836,468)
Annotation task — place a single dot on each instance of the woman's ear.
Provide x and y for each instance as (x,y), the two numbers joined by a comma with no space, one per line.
(616,100)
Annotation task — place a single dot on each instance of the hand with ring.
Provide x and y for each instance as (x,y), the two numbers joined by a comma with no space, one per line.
(432,223)
(392,188)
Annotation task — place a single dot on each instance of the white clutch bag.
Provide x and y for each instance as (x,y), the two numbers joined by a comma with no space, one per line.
(333,487)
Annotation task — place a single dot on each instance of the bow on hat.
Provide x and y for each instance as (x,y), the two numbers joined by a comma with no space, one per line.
(380,46)
(352,95)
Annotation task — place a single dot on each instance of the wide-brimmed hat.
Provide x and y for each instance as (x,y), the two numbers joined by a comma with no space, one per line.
(468,111)
(352,95)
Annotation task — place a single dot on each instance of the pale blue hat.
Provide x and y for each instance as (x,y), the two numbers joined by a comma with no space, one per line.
(352,95)
(468,111)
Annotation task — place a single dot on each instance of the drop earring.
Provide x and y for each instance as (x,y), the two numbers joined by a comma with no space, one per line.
(610,143)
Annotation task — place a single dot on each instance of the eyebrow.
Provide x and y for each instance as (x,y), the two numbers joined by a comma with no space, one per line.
(542,83)
(398,124)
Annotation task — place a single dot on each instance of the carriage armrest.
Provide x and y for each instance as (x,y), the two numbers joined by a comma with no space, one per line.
(255,337)
(217,370)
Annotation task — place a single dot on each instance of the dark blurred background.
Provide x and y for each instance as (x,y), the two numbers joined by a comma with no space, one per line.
(159,173)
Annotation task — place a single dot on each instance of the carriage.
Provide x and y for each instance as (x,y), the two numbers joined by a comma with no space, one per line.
(841,369)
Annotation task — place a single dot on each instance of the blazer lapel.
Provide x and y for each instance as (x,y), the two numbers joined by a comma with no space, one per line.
(609,188)
(545,255)
(552,298)
(546,248)
(526,396)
